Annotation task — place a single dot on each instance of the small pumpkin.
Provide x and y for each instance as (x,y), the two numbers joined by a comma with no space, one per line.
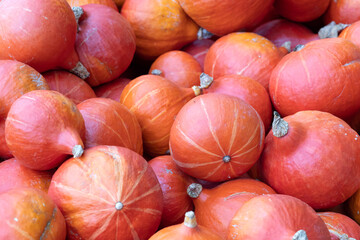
(112,89)
(341,227)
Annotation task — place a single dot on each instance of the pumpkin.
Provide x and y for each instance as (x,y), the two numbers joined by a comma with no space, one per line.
(78,3)
(174,184)
(248,90)
(352,33)
(216,137)
(341,227)
(43,128)
(246,54)
(310,72)
(277,216)
(108,193)
(14,175)
(178,67)
(301,11)
(16,79)
(108,122)
(295,147)
(189,230)
(155,102)
(112,89)
(198,49)
(216,207)
(223,17)
(343,11)
(280,31)
(69,85)
(46,41)
(30,214)
(103,28)
(354,206)
(160,26)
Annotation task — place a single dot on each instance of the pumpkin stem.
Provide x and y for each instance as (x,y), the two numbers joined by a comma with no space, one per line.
(80,71)
(78,12)
(204,34)
(287,45)
(298,47)
(77,151)
(279,126)
(156,72)
(205,82)
(194,190)
(300,235)
(331,30)
(190,219)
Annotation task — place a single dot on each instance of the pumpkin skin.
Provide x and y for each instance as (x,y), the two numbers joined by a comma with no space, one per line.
(155,102)
(198,49)
(340,225)
(179,67)
(108,122)
(78,3)
(223,17)
(276,216)
(103,28)
(343,11)
(160,26)
(301,11)
(280,31)
(248,90)
(328,69)
(30,214)
(47,39)
(291,170)
(14,175)
(43,127)
(246,54)
(216,207)
(188,230)
(69,85)
(174,184)
(123,201)
(112,89)
(216,137)
(352,33)
(354,206)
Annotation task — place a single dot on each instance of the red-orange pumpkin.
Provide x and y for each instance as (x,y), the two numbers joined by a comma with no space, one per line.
(246,54)
(78,3)
(108,193)
(69,85)
(155,102)
(188,230)
(112,89)
(354,206)
(295,162)
(43,128)
(216,137)
(277,216)
(352,33)
(216,207)
(103,28)
(108,122)
(343,11)
(198,49)
(14,175)
(341,227)
(179,67)
(47,39)
(174,184)
(30,214)
(328,69)
(223,17)
(160,26)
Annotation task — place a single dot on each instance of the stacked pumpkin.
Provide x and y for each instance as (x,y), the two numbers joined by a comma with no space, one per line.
(154,119)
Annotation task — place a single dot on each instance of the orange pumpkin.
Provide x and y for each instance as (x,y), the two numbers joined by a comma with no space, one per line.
(340,226)
(78,3)
(112,89)
(352,33)
(343,11)
(354,206)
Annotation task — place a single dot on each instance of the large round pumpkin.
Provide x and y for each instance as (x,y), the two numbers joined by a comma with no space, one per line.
(313,156)
(216,137)
(108,193)
(30,214)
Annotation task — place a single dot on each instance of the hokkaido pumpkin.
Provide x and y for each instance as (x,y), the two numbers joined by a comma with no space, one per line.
(294,149)
(112,89)
(30,214)
(108,193)
(78,3)
(277,216)
(198,49)
(354,206)
(343,11)
(216,137)
(340,226)
(352,33)
(108,122)
(43,128)
(189,230)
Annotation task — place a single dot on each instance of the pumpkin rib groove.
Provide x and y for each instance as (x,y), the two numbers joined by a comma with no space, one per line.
(131,89)
(159,139)
(247,66)
(134,234)
(19,230)
(215,170)
(233,131)
(150,191)
(243,153)
(88,212)
(277,79)
(305,67)
(103,226)
(248,142)
(123,123)
(147,210)
(136,183)
(143,99)
(191,165)
(117,226)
